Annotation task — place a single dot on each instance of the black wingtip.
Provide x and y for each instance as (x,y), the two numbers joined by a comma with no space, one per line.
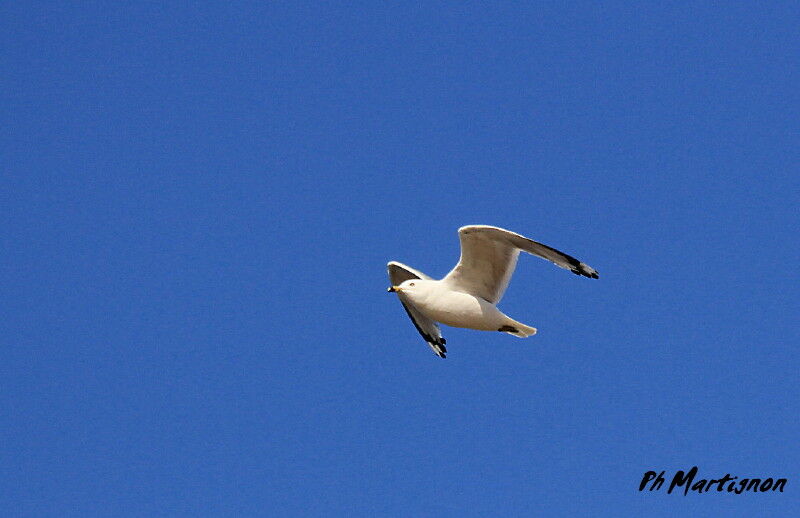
(590,274)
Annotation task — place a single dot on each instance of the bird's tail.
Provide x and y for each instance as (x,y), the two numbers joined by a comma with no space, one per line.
(518,329)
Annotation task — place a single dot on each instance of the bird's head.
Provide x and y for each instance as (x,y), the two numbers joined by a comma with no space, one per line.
(410,287)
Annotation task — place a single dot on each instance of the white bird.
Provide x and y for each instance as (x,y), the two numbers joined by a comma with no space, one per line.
(467,297)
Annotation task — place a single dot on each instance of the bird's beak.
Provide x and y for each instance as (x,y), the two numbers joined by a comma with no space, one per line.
(392,289)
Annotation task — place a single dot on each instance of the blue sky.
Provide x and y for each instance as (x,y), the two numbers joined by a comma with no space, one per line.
(198,204)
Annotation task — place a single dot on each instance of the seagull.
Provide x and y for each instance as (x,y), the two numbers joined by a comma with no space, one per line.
(467,297)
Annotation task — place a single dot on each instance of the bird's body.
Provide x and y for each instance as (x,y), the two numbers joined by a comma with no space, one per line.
(467,297)
(440,303)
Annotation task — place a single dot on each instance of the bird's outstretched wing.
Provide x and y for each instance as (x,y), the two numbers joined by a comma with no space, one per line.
(398,273)
(489,256)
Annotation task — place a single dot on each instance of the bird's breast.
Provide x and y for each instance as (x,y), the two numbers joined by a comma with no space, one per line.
(457,309)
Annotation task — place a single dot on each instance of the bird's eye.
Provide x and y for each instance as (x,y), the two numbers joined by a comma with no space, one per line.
(411,284)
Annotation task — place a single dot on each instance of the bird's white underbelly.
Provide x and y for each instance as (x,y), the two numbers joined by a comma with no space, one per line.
(457,309)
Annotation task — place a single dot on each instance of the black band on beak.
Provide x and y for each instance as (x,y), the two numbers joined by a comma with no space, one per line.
(391,289)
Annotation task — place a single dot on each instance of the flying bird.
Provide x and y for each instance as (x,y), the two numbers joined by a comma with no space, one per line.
(467,297)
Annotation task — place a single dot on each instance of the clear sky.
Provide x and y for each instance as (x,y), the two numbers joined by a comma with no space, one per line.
(198,204)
